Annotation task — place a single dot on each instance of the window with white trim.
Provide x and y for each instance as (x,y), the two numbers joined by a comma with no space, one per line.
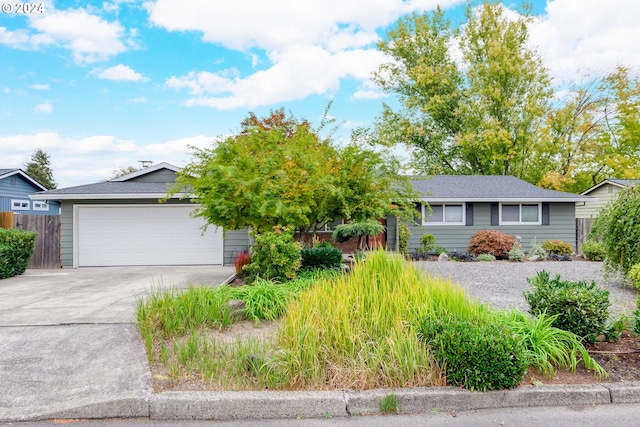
(443,214)
(19,205)
(40,206)
(521,213)
(330,226)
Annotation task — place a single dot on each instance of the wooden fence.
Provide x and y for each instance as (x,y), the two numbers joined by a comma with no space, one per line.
(583,228)
(47,249)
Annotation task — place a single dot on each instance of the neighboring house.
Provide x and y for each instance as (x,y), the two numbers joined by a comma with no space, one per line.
(122,222)
(604,191)
(463,205)
(16,187)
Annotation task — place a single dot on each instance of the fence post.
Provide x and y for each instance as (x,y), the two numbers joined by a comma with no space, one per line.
(6,219)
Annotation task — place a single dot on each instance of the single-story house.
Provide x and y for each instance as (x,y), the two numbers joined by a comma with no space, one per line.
(122,222)
(16,187)
(604,191)
(462,205)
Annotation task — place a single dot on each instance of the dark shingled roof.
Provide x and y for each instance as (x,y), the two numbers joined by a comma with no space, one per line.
(111,187)
(6,171)
(476,187)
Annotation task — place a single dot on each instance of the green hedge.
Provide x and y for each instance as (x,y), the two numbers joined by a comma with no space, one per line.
(321,257)
(16,248)
(475,355)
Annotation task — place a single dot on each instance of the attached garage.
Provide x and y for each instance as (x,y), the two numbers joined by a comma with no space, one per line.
(129,220)
(115,235)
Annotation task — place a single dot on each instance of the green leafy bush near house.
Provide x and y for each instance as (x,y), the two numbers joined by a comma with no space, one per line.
(404,233)
(580,307)
(636,314)
(16,249)
(538,250)
(320,257)
(557,247)
(516,253)
(593,250)
(476,355)
(634,276)
(427,243)
(274,256)
(486,257)
(493,242)
(618,228)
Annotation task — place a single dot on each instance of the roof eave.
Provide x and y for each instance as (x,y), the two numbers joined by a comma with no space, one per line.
(510,199)
(109,196)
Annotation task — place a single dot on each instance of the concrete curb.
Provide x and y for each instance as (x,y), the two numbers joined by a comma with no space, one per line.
(272,404)
(256,405)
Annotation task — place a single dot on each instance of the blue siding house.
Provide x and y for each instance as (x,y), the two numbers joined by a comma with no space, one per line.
(16,187)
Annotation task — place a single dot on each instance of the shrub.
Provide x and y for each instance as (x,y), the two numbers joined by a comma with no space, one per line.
(427,243)
(557,247)
(321,257)
(243,259)
(580,307)
(16,248)
(617,228)
(516,254)
(475,355)
(538,250)
(634,276)
(486,257)
(404,233)
(491,241)
(274,256)
(593,250)
(440,250)
(462,257)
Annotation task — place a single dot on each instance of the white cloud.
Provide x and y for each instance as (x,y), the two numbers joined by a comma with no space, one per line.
(311,45)
(121,72)
(77,161)
(578,36)
(39,87)
(45,107)
(138,100)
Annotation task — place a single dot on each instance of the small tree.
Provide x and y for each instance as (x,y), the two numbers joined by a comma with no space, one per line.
(39,168)
(618,228)
(363,230)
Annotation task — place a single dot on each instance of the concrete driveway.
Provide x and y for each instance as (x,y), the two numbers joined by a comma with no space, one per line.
(69,347)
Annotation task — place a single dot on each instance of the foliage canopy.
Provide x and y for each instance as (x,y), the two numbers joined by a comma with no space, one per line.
(39,168)
(278,172)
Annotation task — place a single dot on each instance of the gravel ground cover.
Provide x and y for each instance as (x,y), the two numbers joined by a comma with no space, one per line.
(501,283)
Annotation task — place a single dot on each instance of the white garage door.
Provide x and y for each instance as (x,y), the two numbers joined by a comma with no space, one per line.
(143,235)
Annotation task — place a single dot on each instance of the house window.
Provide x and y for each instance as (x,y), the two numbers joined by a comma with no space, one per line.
(40,206)
(443,214)
(330,226)
(19,205)
(521,213)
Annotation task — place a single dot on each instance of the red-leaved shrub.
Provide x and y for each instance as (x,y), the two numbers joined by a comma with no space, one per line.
(491,242)
(243,258)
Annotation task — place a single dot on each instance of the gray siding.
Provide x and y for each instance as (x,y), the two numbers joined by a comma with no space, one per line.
(392,225)
(233,241)
(161,175)
(561,226)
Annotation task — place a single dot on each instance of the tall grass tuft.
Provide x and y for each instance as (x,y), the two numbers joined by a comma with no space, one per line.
(359,330)
(548,347)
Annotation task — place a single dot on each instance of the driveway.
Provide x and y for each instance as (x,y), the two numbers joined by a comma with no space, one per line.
(69,347)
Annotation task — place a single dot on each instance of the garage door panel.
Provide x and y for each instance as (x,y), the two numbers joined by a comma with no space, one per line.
(144,235)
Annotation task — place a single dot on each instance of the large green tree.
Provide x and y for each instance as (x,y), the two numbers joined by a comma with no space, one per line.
(39,168)
(278,172)
(476,114)
(593,134)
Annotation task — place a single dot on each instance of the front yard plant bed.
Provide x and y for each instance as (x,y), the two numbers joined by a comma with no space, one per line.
(331,330)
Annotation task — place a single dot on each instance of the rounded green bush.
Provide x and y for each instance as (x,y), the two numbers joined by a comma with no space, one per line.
(321,257)
(486,257)
(475,355)
(274,256)
(594,251)
(16,248)
(557,247)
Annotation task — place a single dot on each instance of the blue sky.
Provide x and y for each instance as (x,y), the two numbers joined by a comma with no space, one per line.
(100,85)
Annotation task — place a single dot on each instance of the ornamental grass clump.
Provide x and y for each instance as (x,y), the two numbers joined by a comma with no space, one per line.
(359,330)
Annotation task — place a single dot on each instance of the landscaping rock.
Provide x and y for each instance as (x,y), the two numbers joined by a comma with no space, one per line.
(534,258)
(443,257)
(236,309)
